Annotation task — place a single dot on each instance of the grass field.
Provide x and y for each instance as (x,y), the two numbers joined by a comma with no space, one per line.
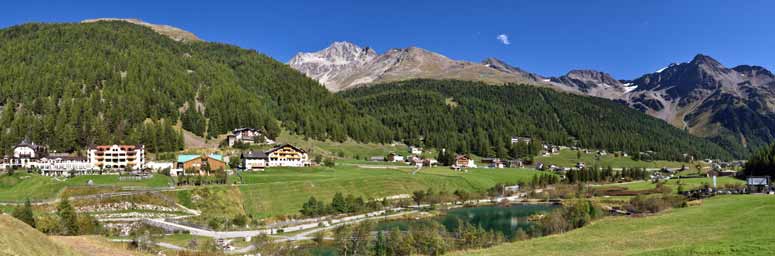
(349,149)
(724,225)
(688,183)
(282,191)
(95,246)
(569,158)
(20,239)
(33,186)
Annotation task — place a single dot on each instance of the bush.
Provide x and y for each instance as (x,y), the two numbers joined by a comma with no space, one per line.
(655,204)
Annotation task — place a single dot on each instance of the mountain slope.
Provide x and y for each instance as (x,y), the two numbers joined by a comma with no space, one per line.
(344,65)
(71,85)
(475,117)
(735,107)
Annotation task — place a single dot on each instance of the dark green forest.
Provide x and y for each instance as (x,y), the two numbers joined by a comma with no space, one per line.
(73,85)
(472,117)
(762,162)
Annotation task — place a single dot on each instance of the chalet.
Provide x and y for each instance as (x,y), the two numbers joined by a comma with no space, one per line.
(26,153)
(117,156)
(493,163)
(287,156)
(517,139)
(415,150)
(247,136)
(254,161)
(430,162)
(464,161)
(393,157)
(198,164)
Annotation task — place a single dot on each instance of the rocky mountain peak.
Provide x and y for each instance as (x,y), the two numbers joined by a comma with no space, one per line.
(701,59)
(594,76)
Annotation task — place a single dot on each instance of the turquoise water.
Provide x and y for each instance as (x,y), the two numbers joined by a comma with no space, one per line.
(507,219)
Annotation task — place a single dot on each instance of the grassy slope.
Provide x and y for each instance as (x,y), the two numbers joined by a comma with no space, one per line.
(568,158)
(16,187)
(279,191)
(688,184)
(349,148)
(94,246)
(725,225)
(20,239)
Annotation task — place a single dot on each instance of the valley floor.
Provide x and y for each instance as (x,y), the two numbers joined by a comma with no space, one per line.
(724,225)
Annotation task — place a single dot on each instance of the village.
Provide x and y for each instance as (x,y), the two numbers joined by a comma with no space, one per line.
(246,154)
(133,160)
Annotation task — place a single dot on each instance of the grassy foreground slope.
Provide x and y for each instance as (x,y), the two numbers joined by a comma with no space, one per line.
(724,225)
(21,240)
(280,191)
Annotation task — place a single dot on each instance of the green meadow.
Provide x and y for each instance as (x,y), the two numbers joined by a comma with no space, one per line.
(282,191)
(723,225)
(687,183)
(569,158)
(20,185)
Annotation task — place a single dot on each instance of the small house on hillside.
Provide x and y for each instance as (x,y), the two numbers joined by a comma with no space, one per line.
(393,157)
(493,162)
(518,139)
(198,164)
(254,161)
(415,150)
(464,161)
(247,136)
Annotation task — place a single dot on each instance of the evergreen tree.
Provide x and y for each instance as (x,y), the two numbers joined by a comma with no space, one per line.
(24,213)
(68,218)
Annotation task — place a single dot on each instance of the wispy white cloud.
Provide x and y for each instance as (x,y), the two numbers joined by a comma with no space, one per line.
(504,39)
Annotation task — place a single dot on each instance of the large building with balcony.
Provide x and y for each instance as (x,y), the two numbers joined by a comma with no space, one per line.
(287,156)
(117,157)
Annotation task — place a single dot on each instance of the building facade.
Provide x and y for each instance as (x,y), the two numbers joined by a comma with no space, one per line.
(247,136)
(287,156)
(198,164)
(26,154)
(117,156)
(254,161)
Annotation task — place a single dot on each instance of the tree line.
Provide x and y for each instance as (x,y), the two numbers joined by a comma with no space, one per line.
(473,117)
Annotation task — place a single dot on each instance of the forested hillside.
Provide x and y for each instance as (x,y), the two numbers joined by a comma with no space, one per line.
(72,85)
(478,118)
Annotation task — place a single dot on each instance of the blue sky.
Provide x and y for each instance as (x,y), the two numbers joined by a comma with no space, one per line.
(624,38)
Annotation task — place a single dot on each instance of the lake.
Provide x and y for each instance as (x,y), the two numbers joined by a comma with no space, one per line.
(506,219)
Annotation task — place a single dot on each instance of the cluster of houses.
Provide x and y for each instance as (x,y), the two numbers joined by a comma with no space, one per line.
(414,157)
(117,159)
(98,160)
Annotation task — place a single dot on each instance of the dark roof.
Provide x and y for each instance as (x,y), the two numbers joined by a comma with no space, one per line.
(244,129)
(282,146)
(254,155)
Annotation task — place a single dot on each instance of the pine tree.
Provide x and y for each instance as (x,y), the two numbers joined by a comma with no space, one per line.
(24,213)
(68,218)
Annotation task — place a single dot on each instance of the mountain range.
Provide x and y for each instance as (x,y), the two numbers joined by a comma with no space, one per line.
(733,106)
